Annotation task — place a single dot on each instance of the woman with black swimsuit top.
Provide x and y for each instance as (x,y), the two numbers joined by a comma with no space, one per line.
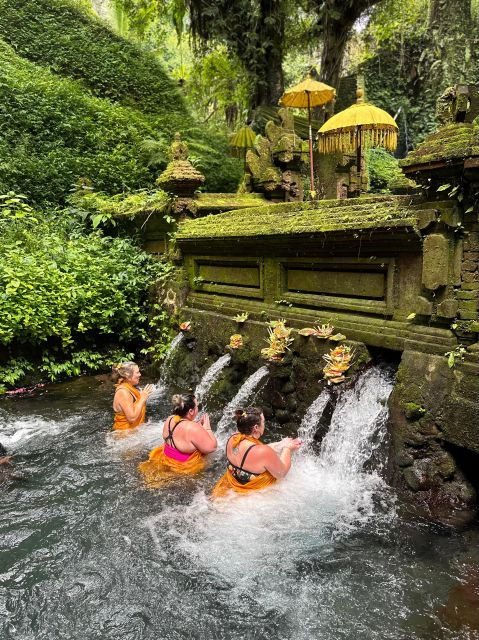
(251,464)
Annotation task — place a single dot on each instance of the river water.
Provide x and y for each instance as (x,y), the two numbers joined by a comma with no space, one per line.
(87,552)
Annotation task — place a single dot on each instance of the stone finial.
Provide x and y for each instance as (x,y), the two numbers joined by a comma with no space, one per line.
(180,177)
(178,149)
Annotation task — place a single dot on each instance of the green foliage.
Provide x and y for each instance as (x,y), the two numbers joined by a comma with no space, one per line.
(382,167)
(455,356)
(392,84)
(14,207)
(54,133)
(67,296)
(397,20)
(101,209)
(396,56)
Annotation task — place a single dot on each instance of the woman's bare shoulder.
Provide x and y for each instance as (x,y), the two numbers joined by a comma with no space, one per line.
(122,391)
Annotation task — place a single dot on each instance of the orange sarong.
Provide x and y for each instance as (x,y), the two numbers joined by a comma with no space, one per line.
(228,482)
(120,421)
(160,468)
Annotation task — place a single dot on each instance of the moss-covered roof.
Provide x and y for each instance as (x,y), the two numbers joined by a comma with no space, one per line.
(306,218)
(229,201)
(452,142)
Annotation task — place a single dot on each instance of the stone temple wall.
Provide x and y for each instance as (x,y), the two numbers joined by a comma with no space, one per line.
(396,273)
(389,272)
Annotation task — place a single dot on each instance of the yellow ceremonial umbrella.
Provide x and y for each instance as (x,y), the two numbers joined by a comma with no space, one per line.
(305,95)
(360,126)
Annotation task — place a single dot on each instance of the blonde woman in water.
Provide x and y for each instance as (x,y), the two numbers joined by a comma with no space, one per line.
(129,404)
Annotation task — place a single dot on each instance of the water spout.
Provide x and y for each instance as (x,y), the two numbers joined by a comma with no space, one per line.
(311,418)
(211,375)
(246,390)
(160,387)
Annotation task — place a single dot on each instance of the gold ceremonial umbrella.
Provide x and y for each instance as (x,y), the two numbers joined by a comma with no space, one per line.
(305,95)
(360,126)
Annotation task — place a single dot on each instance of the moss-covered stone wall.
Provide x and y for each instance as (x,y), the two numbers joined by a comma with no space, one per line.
(399,273)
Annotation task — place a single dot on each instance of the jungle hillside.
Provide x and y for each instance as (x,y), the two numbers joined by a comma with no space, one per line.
(92,94)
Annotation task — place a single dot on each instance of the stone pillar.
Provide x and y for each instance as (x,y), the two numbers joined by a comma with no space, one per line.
(432,405)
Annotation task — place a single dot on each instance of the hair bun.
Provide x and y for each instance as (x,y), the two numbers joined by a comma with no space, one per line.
(177,401)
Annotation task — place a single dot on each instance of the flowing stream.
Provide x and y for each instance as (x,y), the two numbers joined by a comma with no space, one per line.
(87,552)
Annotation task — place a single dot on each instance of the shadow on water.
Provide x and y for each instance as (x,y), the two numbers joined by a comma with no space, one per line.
(86,551)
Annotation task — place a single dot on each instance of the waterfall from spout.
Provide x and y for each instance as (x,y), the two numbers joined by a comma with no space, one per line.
(358,425)
(211,375)
(160,387)
(247,388)
(311,418)
(324,498)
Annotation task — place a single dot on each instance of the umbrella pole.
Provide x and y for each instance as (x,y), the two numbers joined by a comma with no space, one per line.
(358,158)
(311,166)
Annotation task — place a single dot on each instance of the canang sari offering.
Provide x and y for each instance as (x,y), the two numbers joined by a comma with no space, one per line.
(120,421)
(228,481)
(165,462)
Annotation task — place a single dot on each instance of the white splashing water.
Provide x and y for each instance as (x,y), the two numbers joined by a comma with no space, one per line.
(246,390)
(211,375)
(256,541)
(311,418)
(161,386)
(16,434)
(143,438)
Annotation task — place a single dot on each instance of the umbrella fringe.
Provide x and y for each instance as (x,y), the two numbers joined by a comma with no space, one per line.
(346,141)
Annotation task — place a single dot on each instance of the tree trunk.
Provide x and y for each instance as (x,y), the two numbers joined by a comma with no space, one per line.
(336,35)
(337,21)
(267,73)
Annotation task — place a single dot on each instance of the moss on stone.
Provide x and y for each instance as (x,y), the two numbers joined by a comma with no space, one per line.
(180,171)
(414,411)
(306,217)
(219,202)
(454,141)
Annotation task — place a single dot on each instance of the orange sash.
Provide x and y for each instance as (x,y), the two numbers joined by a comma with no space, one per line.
(160,468)
(120,421)
(228,481)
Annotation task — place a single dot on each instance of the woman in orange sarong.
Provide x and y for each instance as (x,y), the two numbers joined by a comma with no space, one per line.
(186,443)
(265,465)
(129,404)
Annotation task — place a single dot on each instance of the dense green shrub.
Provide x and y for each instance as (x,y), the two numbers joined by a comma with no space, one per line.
(68,297)
(70,40)
(53,133)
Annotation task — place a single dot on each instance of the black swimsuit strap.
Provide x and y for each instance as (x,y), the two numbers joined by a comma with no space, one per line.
(169,438)
(245,454)
(240,468)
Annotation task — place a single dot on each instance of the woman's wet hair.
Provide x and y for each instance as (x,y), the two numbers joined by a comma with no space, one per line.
(123,371)
(247,418)
(182,403)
